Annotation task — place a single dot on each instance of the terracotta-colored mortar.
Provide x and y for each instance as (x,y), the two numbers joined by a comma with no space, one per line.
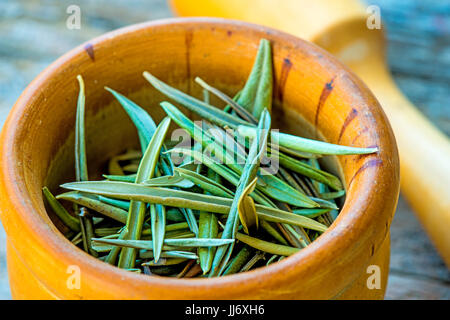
(311,87)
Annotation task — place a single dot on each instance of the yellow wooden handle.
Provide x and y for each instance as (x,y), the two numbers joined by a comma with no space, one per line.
(340,27)
(424,163)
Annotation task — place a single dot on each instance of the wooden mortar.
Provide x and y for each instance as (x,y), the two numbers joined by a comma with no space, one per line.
(312,90)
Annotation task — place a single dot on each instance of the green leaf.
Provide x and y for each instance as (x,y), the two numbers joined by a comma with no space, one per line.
(211,163)
(246,208)
(306,145)
(205,183)
(144,123)
(167,254)
(125,205)
(158,223)
(190,218)
(198,242)
(272,231)
(208,228)
(332,195)
(272,259)
(251,263)
(169,181)
(80,141)
(266,246)
(114,167)
(310,213)
(257,92)
(185,199)
(257,150)
(92,202)
(137,208)
(238,261)
(168,228)
(310,172)
(123,178)
(61,212)
(242,112)
(203,109)
(269,184)
(148,245)
(208,223)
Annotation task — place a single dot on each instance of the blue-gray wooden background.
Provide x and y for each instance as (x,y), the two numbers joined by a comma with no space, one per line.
(33,33)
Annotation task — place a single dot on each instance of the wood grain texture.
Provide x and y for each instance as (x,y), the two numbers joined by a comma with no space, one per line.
(33,34)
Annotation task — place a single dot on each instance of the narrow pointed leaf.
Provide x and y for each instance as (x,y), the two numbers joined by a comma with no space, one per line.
(242,112)
(250,170)
(168,228)
(310,213)
(144,123)
(332,195)
(137,208)
(310,172)
(251,263)
(238,261)
(257,92)
(80,140)
(69,220)
(158,223)
(246,208)
(205,183)
(169,181)
(198,242)
(266,246)
(208,228)
(167,254)
(92,202)
(123,178)
(185,199)
(125,205)
(201,108)
(148,245)
(269,184)
(307,145)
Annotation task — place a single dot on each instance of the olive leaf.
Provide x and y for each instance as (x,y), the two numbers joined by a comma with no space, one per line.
(257,92)
(137,208)
(125,205)
(80,139)
(148,245)
(185,199)
(92,202)
(205,183)
(203,109)
(242,112)
(269,184)
(169,181)
(158,227)
(266,246)
(246,208)
(120,177)
(60,211)
(144,123)
(208,222)
(249,172)
(306,145)
(238,261)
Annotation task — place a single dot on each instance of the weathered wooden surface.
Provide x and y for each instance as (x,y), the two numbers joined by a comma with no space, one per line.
(418,35)
(33,33)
